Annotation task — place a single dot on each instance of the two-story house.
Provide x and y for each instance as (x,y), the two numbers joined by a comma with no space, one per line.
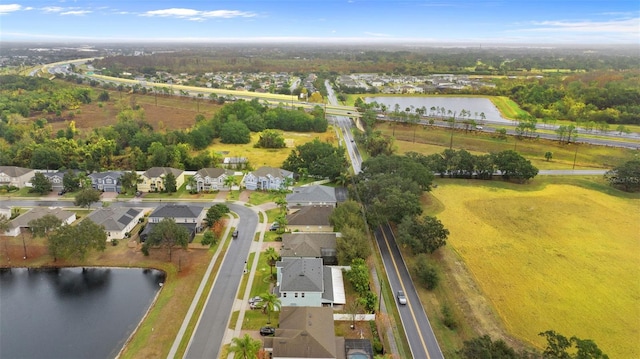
(106,181)
(315,195)
(15,176)
(310,219)
(313,245)
(189,216)
(212,179)
(153,178)
(267,179)
(117,221)
(304,281)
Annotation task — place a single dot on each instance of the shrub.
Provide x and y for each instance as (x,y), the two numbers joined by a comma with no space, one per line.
(426,272)
(448,318)
(114,242)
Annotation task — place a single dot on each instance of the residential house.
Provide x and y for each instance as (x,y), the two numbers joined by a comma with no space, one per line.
(267,179)
(305,332)
(107,181)
(153,179)
(22,221)
(212,179)
(15,176)
(117,221)
(55,177)
(238,163)
(310,219)
(315,195)
(189,216)
(307,282)
(312,245)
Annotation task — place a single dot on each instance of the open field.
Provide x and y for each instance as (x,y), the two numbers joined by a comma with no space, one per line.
(553,256)
(430,140)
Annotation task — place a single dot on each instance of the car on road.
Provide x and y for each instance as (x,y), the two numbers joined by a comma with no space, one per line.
(234,234)
(264,331)
(401,298)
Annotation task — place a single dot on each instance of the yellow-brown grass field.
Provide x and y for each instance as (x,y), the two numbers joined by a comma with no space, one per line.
(560,257)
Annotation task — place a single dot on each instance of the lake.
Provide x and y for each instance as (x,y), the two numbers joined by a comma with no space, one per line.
(70,312)
(476,105)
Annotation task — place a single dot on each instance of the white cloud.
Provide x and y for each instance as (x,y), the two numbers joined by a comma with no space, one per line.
(621,26)
(197,15)
(76,12)
(52,9)
(376,34)
(7,8)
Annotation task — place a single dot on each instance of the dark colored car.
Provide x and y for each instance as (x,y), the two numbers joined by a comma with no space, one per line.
(264,331)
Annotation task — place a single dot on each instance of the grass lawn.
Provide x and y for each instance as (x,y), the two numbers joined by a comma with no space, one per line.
(430,140)
(551,256)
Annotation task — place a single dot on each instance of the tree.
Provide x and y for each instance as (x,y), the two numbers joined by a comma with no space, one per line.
(548,155)
(130,182)
(215,213)
(270,302)
(76,241)
(271,139)
(40,184)
(70,182)
(282,222)
(192,183)
(358,276)
(484,348)
(167,233)
(41,227)
(229,181)
(169,183)
(319,159)
(557,345)
(513,166)
(245,347)
(282,204)
(351,245)
(422,234)
(235,132)
(272,257)
(5,223)
(625,176)
(426,273)
(87,197)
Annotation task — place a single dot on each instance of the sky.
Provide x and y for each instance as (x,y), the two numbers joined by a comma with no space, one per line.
(335,21)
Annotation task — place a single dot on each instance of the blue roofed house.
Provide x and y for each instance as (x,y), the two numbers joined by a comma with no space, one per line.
(107,181)
(267,179)
(212,179)
(117,221)
(189,216)
(304,281)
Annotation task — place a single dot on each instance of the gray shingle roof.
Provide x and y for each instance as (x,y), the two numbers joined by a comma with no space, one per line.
(310,216)
(155,172)
(112,174)
(177,211)
(301,274)
(305,332)
(264,171)
(214,172)
(14,171)
(39,212)
(301,244)
(114,218)
(317,193)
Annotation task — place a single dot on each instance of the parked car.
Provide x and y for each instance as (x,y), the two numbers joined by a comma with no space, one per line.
(234,234)
(256,304)
(274,226)
(264,331)
(401,298)
(254,299)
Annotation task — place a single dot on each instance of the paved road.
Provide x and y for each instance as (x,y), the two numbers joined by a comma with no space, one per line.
(209,334)
(417,327)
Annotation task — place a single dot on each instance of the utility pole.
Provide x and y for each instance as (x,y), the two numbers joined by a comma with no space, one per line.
(575,156)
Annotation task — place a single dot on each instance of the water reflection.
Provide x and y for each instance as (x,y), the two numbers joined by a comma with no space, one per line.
(73,312)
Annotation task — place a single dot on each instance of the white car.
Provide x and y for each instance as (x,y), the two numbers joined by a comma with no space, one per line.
(401,298)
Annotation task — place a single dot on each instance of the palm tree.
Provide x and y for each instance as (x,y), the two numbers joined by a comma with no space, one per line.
(245,347)
(193,184)
(281,202)
(272,257)
(281,220)
(229,182)
(270,303)
(343,179)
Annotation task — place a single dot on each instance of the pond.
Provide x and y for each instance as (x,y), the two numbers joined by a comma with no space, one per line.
(72,312)
(475,105)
